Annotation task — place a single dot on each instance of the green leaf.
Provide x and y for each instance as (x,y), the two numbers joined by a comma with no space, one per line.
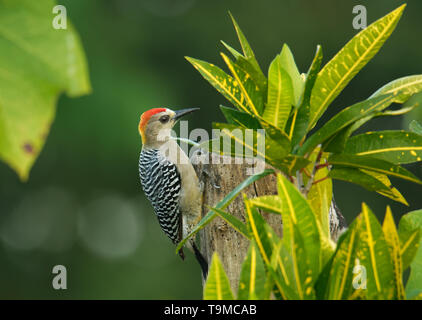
(415,127)
(221,81)
(37,64)
(358,177)
(239,118)
(337,277)
(287,63)
(250,91)
(372,181)
(319,198)
(393,146)
(247,50)
(374,255)
(300,123)
(217,286)
(337,73)
(252,277)
(256,74)
(406,86)
(224,203)
(409,234)
(271,204)
(259,230)
(290,269)
(345,118)
(236,224)
(393,241)
(392,192)
(297,212)
(412,220)
(373,164)
(236,54)
(280,95)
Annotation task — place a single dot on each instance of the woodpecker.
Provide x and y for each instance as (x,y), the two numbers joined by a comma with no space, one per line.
(168,178)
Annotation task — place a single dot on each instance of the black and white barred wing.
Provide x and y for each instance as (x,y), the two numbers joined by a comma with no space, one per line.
(161,183)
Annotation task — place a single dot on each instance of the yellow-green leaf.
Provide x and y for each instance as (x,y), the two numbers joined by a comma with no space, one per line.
(221,81)
(252,276)
(335,76)
(390,145)
(374,255)
(280,95)
(406,86)
(217,286)
(37,64)
(393,241)
(250,91)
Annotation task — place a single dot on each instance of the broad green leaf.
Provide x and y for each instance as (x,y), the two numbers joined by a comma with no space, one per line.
(224,203)
(271,204)
(392,192)
(338,72)
(252,277)
(370,180)
(287,63)
(373,164)
(393,241)
(337,276)
(217,286)
(296,211)
(358,177)
(413,220)
(235,223)
(374,255)
(250,91)
(37,64)
(300,123)
(280,95)
(393,146)
(345,118)
(409,233)
(256,74)
(259,230)
(275,133)
(319,198)
(290,268)
(415,127)
(221,81)
(239,118)
(247,50)
(406,86)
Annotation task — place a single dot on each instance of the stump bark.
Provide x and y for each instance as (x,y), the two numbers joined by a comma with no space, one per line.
(220,176)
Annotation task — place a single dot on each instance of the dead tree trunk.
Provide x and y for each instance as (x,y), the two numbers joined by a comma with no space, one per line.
(218,180)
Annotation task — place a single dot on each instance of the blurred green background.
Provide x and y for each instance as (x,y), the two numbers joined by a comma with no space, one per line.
(83,206)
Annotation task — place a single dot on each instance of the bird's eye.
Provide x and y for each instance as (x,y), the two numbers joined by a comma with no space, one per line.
(164,119)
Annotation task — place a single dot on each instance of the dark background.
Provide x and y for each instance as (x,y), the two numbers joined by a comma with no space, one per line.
(83,206)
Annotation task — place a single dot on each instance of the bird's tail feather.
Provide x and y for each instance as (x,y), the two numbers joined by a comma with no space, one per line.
(201,260)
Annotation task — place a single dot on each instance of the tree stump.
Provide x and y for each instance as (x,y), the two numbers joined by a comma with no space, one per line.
(219,176)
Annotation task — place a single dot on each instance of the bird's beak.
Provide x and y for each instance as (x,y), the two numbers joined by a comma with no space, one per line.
(181,113)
